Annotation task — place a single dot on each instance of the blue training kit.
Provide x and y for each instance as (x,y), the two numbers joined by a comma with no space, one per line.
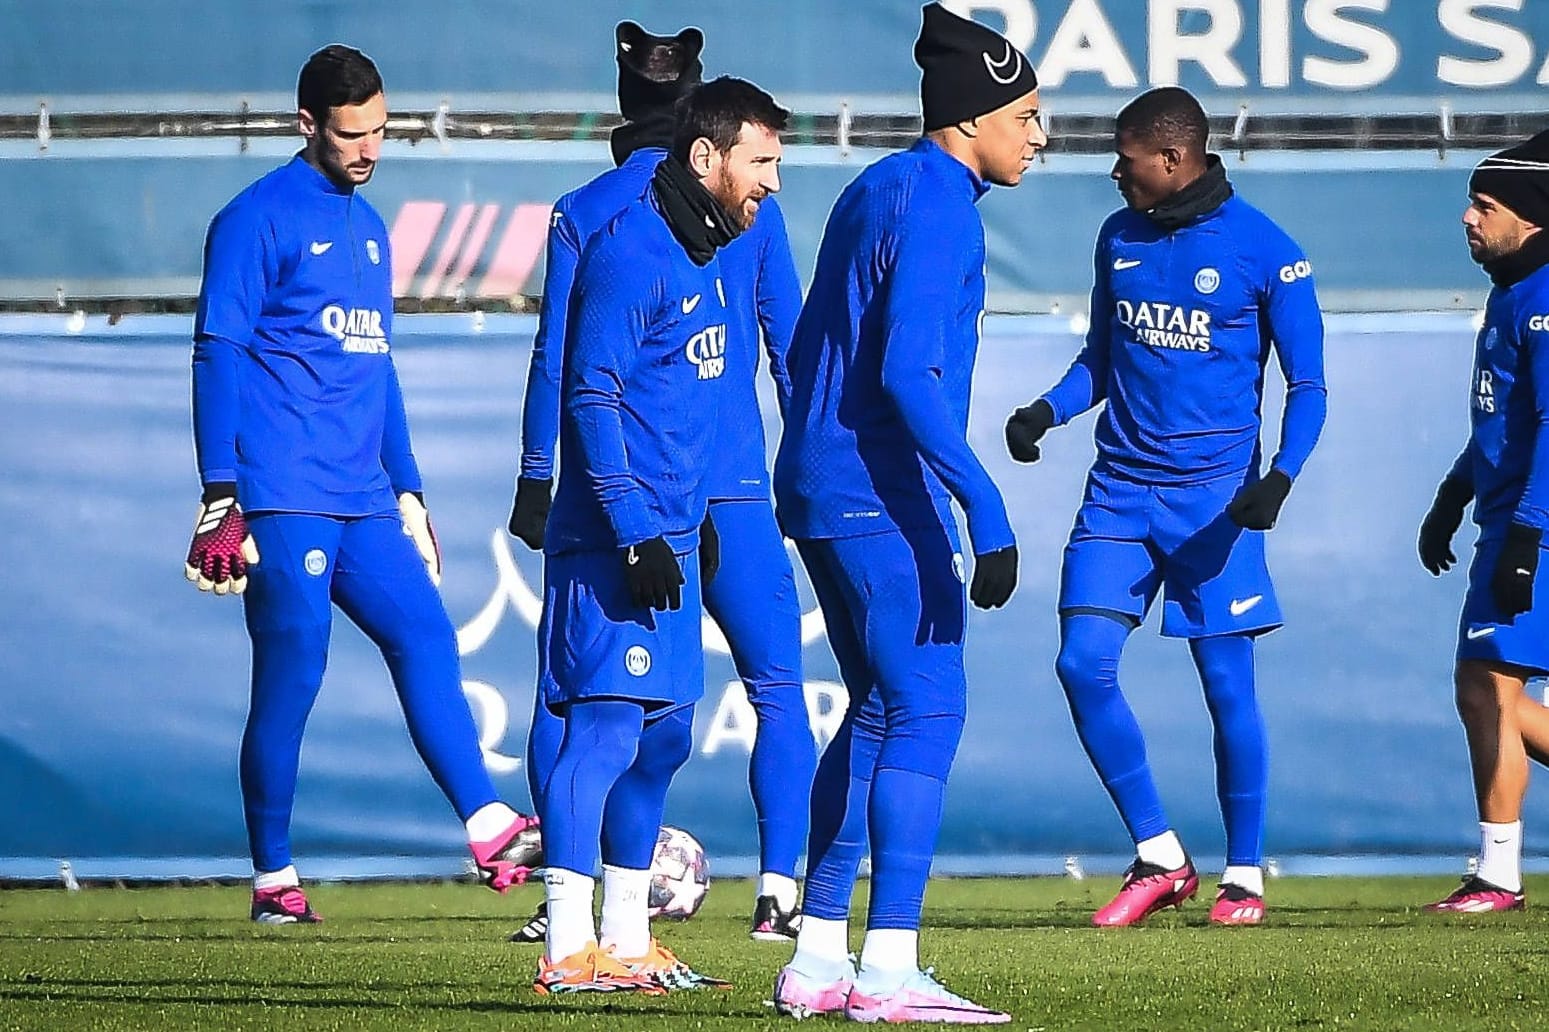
(644,369)
(875,449)
(1506,462)
(1183,322)
(296,402)
(754,598)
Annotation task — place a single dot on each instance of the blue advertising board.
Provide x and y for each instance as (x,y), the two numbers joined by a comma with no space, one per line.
(126,688)
(1310,53)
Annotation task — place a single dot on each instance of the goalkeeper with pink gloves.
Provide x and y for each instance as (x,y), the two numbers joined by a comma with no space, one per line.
(312,497)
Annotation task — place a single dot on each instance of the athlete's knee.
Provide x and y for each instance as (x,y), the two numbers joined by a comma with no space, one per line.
(1085,664)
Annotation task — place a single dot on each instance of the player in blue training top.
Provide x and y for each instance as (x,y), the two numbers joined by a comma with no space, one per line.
(874,450)
(1193,288)
(312,497)
(620,654)
(1503,634)
(753,597)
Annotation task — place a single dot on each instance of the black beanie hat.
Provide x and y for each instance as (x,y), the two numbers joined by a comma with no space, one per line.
(1518,177)
(646,102)
(967,70)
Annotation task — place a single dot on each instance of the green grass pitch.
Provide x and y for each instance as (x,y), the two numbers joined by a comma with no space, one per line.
(1337,953)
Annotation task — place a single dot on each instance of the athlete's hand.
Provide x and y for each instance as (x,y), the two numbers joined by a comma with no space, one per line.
(530,512)
(1026,428)
(995,578)
(1512,583)
(654,576)
(709,551)
(416,526)
(1441,522)
(222,549)
(1257,505)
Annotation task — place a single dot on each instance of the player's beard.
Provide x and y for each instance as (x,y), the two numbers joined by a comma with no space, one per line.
(741,208)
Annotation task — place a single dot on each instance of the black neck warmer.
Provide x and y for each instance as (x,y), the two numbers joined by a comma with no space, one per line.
(653,129)
(1204,195)
(695,217)
(1521,263)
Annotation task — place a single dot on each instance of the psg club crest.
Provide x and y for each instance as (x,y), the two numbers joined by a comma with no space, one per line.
(1207,280)
(373,252)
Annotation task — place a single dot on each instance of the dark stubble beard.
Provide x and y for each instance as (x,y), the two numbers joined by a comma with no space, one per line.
(725,192)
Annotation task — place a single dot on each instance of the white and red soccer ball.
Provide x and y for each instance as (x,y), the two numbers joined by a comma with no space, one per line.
(680,875)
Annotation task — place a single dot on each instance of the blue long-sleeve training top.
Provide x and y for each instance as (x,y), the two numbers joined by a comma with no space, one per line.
(645,363)
(294,392)
(1183,323)
(1507,457)
(882,361)
(763,292)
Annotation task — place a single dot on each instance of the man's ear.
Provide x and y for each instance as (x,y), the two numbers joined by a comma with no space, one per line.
(1172,157)
(701,157)
(969,128)
(306,123)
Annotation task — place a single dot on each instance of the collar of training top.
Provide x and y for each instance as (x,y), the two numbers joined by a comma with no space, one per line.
(304,171)
(932,151)
(1199,198)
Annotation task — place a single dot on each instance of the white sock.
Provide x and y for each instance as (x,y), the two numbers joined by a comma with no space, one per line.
(285,876)
(1164,850)
(571,926)
(626,926)
(822,948)
(1500,854)
(488,821)
(889,956)
(1244,876)
(782,888)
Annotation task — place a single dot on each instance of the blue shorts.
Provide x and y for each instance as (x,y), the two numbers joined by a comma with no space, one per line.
(595,643)
(1482,634)
(1132,539)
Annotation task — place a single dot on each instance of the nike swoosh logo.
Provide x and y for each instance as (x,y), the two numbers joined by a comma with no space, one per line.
(1500,841)
(1478,632)
(1011,59)
(321,246)
(1240,606)
(1120,264)
(691,303)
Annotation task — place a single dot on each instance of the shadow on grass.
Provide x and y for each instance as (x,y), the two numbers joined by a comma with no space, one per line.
(91,992)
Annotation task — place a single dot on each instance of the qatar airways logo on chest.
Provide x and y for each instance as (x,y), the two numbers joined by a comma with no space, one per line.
(358,330)
(1160,324)
(706,351)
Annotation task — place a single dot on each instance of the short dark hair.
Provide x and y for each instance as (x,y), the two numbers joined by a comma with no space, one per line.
(716,110)
(1168,116)
(336,76)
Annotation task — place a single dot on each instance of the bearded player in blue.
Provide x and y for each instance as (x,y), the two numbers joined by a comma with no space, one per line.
(873,453)
(1193,290)
(1503,634)
(312,497)
(753,597)
(620,651)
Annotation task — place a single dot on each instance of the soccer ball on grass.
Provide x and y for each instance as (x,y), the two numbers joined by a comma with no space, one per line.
(680,875)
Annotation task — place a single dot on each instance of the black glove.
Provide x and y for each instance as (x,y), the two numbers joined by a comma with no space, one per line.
(1512,584)
(530,512)
(654,576)
(1026,427)
(709,551)
(1443,521)
(1257,505)
(995,578)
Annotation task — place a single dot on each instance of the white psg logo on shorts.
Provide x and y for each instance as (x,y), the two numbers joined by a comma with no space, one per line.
(373,252)
(637,661)
(957,566)
(315,562)
(1207,280)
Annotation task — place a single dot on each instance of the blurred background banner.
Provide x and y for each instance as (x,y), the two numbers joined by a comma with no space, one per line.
(1363,51)
(126,688)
